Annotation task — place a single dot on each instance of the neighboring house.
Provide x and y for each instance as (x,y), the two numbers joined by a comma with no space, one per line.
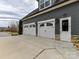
(56,19)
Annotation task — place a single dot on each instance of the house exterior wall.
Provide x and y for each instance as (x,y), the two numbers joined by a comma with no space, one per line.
(20,32)
(57,1)
(66,11)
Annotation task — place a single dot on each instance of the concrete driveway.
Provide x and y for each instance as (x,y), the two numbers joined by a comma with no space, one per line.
(4,34)
(28,47)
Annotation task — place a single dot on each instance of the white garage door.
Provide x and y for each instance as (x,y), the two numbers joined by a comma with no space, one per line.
(29,29)
(25,29)
(32,29)
(46,28)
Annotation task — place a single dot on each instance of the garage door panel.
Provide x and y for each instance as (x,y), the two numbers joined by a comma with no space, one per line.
(32,29)
(50,33)
(41,29)
(29,29)
(24,29)
(48,30)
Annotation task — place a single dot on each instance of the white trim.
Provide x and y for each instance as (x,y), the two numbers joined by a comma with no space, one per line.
(46,21)
(53,8)
(31,23)
(66,17)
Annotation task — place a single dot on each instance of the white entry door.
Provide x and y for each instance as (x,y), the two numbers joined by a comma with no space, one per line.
(65,29)
(46,28)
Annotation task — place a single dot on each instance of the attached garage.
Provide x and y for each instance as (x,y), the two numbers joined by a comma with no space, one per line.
(59,21)
(29,29)
(46,28)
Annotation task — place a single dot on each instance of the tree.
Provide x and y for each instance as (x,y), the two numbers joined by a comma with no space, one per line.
(14,26)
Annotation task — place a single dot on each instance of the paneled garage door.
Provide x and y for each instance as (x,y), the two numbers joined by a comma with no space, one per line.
(29,29)
(46,28)
(24,29)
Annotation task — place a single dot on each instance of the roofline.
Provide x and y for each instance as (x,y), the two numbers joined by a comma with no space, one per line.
(53,8)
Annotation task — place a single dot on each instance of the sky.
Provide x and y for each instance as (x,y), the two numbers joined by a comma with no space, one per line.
(14,10)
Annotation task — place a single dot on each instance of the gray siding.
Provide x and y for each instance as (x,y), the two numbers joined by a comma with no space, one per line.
(56,1)
(69,10)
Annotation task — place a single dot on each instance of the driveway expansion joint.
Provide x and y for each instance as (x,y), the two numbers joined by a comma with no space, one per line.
(42,52)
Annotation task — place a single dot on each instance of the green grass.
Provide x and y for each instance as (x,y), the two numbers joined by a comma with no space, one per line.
(13,33)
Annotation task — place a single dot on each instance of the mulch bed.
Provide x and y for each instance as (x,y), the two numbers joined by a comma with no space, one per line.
(75,41)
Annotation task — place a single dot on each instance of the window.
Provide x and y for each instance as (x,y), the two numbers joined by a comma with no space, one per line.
(44,3)
(33,25)
(25,26)
(65,25)
(47,3)
(42,25)
(41,4)
(56,1)
(49,24)
(30,25)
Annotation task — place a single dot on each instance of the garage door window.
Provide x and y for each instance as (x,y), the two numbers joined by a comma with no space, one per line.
(25,26)
(34,26)
(49,24)
(42,25)
(30,26)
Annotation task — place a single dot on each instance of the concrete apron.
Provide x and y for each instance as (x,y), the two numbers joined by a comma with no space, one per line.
(30,47)
(20,47)
(67,50)
(15,48)
(48,48)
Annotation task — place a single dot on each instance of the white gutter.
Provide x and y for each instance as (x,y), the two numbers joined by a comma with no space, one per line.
(53,8)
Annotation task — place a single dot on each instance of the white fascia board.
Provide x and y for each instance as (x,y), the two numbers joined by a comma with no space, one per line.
(53,20)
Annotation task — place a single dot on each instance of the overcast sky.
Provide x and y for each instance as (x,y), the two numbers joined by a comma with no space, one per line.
(15,9)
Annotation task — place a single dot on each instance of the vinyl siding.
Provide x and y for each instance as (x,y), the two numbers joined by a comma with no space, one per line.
(66,11)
